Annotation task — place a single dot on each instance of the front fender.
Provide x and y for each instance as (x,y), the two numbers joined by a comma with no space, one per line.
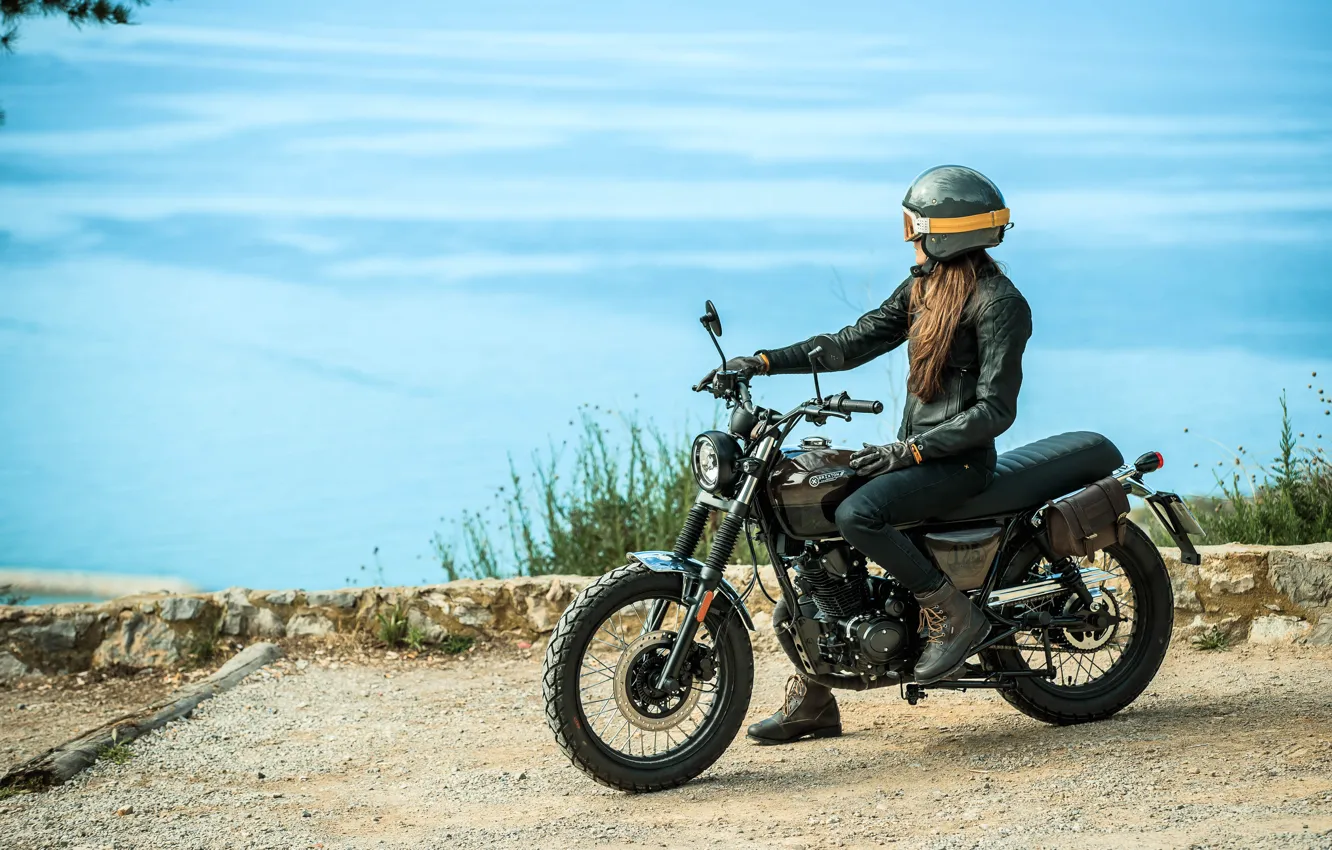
(667,562)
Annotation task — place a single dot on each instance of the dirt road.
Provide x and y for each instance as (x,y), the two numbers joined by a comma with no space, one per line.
(1227,750)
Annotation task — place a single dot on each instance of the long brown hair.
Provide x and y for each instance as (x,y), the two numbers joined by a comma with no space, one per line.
(937,301)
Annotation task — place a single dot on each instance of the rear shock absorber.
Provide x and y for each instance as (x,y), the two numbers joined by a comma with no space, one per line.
(692,532)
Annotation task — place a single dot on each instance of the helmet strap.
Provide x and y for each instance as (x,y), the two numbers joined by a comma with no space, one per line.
(925,269)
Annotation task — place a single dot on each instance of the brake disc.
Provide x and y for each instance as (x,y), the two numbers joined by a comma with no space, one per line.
(637,668)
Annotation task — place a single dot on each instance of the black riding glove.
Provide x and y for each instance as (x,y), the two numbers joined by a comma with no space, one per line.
(876,460)
(748,367)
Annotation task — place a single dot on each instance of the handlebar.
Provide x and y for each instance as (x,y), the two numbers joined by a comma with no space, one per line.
(842,404)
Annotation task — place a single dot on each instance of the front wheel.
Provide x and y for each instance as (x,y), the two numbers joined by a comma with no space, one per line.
(1097,673)
(600,673)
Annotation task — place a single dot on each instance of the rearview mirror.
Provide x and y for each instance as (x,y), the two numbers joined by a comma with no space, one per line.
(830,357)
(711,320)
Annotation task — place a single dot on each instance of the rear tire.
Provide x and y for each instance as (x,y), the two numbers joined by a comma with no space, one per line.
(1154,600)
(577,628)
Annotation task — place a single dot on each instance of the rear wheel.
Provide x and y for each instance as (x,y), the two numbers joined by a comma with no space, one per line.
(600,676)
(1097,672)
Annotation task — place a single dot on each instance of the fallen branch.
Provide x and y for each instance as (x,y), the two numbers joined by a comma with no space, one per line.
(59,764)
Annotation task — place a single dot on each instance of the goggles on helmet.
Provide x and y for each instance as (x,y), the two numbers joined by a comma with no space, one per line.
(915,225)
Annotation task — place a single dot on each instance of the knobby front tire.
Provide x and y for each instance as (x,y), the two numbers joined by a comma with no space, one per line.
(564,681)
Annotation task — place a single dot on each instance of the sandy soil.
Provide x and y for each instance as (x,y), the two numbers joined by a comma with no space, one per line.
(38,714)
(1228,750)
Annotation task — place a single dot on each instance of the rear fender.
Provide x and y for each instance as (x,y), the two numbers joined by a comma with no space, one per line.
(667,562)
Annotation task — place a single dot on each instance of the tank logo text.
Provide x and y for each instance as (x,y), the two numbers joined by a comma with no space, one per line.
(825,477)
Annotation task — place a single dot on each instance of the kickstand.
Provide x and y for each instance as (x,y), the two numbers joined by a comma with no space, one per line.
(1049,656)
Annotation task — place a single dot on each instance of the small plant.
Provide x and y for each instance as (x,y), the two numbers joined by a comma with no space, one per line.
(205,646)
(380,579)
(416,638)
(115,753)
(9,597)
(1285,503)
(1212,640)
(22,786)
(393,627)
(456,644)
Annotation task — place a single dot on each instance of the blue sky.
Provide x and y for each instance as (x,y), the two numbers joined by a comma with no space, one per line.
(280,283)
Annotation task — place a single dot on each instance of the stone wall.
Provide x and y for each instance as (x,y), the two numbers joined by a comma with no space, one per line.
(1264,594)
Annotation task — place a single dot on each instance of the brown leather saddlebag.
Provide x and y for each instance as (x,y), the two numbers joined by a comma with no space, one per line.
(1089,520)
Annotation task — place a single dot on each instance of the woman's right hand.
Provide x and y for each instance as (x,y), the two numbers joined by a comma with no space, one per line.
(746,366)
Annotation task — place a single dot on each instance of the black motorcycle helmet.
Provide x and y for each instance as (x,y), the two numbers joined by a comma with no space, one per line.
(953,209)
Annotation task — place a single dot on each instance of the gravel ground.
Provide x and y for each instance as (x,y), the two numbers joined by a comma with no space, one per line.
(1228,750)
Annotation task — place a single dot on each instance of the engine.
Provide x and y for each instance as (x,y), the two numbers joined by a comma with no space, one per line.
(860,616)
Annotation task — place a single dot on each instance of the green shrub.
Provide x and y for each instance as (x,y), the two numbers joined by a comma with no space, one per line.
(1212,640)
(115,753)
(393,629)
(456,644)
(1287,503)
(8,596)
(583,508)
(1291,504)
(205,646)
(416,638)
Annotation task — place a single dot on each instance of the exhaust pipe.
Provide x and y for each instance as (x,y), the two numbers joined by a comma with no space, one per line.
(1092,577)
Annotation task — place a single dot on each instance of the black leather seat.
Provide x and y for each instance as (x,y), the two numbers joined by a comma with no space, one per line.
(1041,471)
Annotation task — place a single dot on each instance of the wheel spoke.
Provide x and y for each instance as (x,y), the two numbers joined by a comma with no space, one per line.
(1080,658)
(623,712)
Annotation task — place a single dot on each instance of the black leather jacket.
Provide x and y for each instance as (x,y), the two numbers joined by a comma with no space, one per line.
(980,382)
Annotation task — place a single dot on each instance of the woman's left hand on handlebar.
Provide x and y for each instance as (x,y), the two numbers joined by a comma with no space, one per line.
(746,366)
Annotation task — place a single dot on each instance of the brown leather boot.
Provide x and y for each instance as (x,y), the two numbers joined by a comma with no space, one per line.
(951,626)
(809,710)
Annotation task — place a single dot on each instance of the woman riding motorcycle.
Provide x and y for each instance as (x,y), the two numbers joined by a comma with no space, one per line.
(965,326)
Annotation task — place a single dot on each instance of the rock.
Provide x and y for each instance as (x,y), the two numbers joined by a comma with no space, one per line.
(555,595)
(1321,633)
(125,810)
(1277,628)
(416,618)
(1233,628)
(11,669)
(281,597)
(331,598)
(471,613)
(138,642)
(57,636)
(237,610)
(267,624)
(175,608)
(309,624)
(1224,581)
(1186,598)
(1303,573)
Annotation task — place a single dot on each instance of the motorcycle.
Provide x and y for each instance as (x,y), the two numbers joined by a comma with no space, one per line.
(649,672)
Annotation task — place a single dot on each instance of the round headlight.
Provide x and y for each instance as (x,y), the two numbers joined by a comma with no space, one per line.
(713,458)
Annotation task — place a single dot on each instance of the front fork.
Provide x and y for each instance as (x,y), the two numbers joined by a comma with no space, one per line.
(698,595)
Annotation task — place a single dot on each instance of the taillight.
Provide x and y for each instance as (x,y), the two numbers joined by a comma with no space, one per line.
(1149,462)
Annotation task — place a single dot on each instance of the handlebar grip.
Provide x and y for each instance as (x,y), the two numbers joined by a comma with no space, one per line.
(854,405)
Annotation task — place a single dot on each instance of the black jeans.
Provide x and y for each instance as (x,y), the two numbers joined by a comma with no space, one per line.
(866,519)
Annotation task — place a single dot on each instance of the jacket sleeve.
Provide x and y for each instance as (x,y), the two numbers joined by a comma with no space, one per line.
(1002,331)
(877,332)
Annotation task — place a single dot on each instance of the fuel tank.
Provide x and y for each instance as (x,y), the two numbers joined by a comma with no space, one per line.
(808,484)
